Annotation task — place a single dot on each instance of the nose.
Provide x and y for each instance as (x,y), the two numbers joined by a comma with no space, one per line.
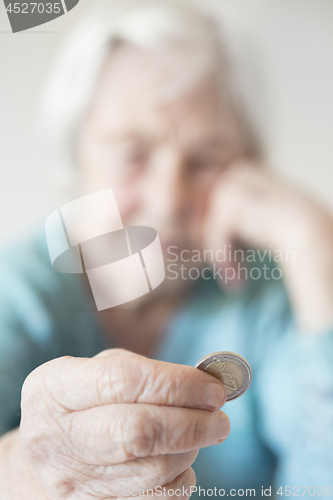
(162,190)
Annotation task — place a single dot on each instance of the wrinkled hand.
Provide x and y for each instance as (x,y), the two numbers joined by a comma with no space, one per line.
(250,205)
(101,427)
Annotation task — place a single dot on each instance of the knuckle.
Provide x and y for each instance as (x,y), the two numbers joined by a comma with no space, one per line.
(198,432)
(165,468)
(161,471)
(31,389)
(173,466)
(188,436)
(38,392)
(128,377)
(157,381)
(39,427)
(104,380)
(156,471)
(144,434)
(119,379)
(113,352)
(42,382)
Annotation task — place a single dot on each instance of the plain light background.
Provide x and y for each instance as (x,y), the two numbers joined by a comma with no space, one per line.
(295,38)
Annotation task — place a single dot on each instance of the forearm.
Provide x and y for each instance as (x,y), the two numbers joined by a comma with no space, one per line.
(18,480)
(310,284)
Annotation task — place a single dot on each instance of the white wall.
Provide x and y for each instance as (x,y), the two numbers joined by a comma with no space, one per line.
(295,38)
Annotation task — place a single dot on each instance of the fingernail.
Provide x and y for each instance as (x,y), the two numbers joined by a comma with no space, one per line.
(223,425)
(215,395)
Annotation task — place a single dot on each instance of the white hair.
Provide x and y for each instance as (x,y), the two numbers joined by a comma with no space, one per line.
(153,25)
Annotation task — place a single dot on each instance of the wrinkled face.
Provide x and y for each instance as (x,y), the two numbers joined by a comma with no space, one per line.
(161,157)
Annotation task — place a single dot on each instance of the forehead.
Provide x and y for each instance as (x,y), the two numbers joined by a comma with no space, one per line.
(145,91)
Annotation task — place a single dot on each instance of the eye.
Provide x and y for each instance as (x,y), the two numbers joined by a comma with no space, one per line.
(210,161)
(205,162)
(127,155)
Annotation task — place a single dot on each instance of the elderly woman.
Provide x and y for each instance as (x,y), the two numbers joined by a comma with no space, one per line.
(148,99)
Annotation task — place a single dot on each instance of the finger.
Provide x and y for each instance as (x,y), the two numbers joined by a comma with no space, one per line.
(117,433)
(241,210)
(228,224)
(100,483)
(119,376)
(184,482)
(138,474)
(150,472)
(219,223)
(247,173)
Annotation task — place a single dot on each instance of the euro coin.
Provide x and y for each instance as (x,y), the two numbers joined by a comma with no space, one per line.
(231,369)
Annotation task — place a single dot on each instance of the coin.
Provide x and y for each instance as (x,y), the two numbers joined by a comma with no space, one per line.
(231,369)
